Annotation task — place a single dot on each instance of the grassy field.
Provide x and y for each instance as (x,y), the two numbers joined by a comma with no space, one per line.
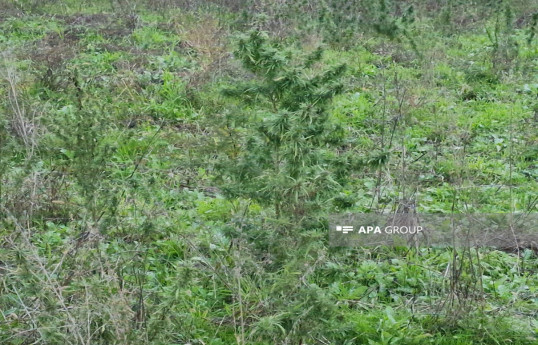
(168,168)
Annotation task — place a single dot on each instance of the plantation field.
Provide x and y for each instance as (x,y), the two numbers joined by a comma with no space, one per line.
(168,170)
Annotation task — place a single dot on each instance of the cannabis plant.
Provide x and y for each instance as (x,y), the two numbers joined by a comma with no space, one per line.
(504,46)
(288,156)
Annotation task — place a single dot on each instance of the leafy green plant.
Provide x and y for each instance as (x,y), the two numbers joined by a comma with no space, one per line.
(533,27)
(288,157)
(504,47)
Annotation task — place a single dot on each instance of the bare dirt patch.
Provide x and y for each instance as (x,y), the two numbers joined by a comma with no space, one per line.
(105,24)
(55,48)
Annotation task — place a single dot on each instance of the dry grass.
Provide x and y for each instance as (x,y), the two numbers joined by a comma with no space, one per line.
(207,38)
(23,122)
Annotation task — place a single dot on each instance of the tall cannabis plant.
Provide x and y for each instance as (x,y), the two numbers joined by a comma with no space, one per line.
(288,155)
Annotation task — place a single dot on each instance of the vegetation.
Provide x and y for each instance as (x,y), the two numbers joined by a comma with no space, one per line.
(285,161)
(168,168)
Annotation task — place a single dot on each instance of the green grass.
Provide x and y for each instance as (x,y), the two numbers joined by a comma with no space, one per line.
(114,227)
